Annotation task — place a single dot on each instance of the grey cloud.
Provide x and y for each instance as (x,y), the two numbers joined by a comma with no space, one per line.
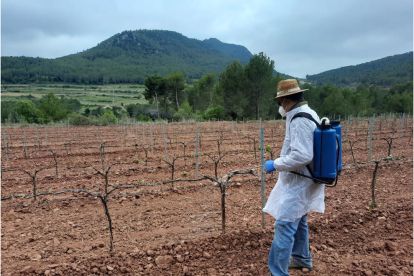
(302,37)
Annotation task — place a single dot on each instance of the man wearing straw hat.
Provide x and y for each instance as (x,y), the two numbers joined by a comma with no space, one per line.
(293,195)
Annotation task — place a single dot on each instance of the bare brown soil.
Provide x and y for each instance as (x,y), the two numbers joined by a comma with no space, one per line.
(175,229)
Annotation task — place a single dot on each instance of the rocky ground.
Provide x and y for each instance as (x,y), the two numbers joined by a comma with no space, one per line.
(177,230)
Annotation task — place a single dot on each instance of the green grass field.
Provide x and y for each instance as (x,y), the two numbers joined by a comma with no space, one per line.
(88,95)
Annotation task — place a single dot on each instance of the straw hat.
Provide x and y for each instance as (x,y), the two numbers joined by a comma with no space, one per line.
(288,87)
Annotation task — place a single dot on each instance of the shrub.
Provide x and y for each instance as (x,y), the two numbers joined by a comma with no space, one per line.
(108,118)
(144,118)
(161,121)
(80,120)
(214,112)
(184,112)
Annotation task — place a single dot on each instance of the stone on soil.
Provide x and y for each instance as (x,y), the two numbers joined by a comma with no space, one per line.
(56,242)
(164,261)
(206,255)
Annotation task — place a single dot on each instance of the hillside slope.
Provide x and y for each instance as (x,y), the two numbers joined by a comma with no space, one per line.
(129,57)
(385,72)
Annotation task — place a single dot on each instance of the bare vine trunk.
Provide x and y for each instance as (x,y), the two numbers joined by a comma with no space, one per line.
(108,217)
(373,204)
(223,211)
(34,186)
(389,147)
(352,151)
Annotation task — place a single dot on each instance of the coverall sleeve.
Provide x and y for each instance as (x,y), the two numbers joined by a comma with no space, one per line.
(301,146)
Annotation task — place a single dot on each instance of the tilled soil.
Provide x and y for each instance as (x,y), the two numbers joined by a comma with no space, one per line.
(176,229)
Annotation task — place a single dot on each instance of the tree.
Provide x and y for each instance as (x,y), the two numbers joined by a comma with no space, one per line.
(70,104)
(200,95)
(193,95)
(155,87)
(28,110)
(362,100)
(259,73)
(8,109)
(400,98)
(117,111)
(51,109)
(134,110)
(87,112)
(206,85)
(312,96)
(378,95)
(401,103)
(270,105)
(230,90)
(97,111)
(176,83)
(334,103)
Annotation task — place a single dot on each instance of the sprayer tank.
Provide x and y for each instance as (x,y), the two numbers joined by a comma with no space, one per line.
(325,152)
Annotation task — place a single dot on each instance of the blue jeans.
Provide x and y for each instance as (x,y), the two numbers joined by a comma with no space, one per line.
(291,239)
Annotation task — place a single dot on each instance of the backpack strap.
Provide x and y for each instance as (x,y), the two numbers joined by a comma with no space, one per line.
(305,115)
(309,117)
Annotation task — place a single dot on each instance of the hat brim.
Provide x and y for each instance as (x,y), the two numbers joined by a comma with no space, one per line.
(293,92)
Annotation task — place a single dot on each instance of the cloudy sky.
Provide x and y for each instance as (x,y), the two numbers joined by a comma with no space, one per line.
(301,36)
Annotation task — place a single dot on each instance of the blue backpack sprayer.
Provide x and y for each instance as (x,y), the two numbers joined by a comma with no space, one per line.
(327,149)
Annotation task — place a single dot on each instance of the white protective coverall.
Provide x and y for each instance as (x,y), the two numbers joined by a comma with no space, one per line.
(293,196)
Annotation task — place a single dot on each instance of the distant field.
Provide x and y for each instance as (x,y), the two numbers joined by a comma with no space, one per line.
(88,95)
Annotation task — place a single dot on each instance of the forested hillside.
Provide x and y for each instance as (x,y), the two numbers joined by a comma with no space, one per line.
(128,57)
(241,92)
(384,72)
(189,79)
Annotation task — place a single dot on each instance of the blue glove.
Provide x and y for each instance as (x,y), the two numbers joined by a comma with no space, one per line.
(269,166)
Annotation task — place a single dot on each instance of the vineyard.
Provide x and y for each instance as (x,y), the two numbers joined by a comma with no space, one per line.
(186,198)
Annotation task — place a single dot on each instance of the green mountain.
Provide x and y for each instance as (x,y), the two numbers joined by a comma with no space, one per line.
(229,50)
(384,72)
(129,57)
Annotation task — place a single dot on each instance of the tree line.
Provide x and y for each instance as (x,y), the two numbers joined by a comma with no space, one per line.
(39,111)
(365,100)
(240,92)
(248,91)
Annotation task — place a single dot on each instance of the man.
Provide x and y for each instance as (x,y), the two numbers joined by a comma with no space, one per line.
(293,196)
